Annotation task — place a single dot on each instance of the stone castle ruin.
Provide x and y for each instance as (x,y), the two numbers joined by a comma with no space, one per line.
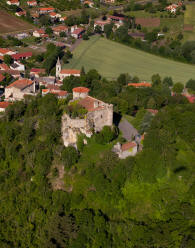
(99,114)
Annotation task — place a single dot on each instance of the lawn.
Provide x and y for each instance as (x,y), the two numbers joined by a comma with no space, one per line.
(111,59)
(10,23)
(189,18)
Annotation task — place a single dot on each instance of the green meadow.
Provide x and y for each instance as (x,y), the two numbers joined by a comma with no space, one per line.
(111,58)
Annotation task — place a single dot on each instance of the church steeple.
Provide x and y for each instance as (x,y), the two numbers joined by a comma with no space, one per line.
(58,67)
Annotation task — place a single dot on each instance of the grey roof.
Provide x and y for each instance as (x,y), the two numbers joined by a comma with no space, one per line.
(48,80)
(127,130)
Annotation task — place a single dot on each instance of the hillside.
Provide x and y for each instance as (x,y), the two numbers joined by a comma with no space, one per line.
(111,58)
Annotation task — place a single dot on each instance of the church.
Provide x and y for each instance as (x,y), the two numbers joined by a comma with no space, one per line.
(62,73)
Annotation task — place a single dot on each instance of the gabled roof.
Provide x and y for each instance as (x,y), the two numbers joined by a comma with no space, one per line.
(60,28)
(91,104)
(143,84)
(37,70)
(70,71)
(1,77)
(78,31)
(127,130)
(21,83)
(21,55)
(3,66)
(128,146)
(4,104)
(4,51)
(46,9)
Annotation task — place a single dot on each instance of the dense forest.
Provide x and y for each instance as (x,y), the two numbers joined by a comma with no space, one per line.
(143,201)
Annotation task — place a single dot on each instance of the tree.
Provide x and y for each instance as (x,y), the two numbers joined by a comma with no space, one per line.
(69,156)
(7,59)
(98,29)
(191,84)
(168,81)
(48,31)
(156,80)
(178,88)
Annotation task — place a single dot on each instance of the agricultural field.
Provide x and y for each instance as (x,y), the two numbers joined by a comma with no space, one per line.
(189,19)
(111,59)
(10,23)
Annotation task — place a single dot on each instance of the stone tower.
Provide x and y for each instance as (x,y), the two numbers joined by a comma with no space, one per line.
(58,68)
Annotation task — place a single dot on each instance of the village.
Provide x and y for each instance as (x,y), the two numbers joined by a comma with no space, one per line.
(18,82)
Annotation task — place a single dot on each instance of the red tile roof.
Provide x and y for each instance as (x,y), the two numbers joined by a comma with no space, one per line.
(4,67)
(21,83)
(22,55)
(4,104)
(153,111)
(37,70)
(191,99)
(128,146)
(143,84)
(1,77)
(60,28)
(78,31)
(5,51)
(117,18)
(81,89)
(91,104)
(53,87)
(60,93)
(70,71)
(46,9)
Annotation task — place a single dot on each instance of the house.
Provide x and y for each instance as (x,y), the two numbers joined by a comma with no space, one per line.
(6,51)
(13,73)
(3,106)
(1,78)
(89,3)
(46,80)
(32,3)
(21,36)
(108,1)
(46,10)
(20,13)
(116,19)
(36,72)
(39,33)
(125,150)
(62,19)
(101,23)
(61,94)
(59,29)
(152,111)
(98,114)
(62,73)
(172,8)
(19,56)
(140,85)
(16,90)
(4,67)
(13,2)
(77,33)
(54,15)
(17,66)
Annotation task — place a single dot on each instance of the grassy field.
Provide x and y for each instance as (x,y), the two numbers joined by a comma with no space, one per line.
(189,18)
(111,59)
(10,23)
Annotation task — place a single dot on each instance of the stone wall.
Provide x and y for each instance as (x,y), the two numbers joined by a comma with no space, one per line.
(94,121)
(18,94)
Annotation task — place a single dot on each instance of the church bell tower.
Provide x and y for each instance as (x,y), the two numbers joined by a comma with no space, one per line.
(58,68)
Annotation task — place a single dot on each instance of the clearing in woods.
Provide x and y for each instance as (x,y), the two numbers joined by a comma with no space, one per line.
(110,59)
(10,23)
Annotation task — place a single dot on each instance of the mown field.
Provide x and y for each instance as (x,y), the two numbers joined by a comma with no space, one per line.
(111,59)
(10,23)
